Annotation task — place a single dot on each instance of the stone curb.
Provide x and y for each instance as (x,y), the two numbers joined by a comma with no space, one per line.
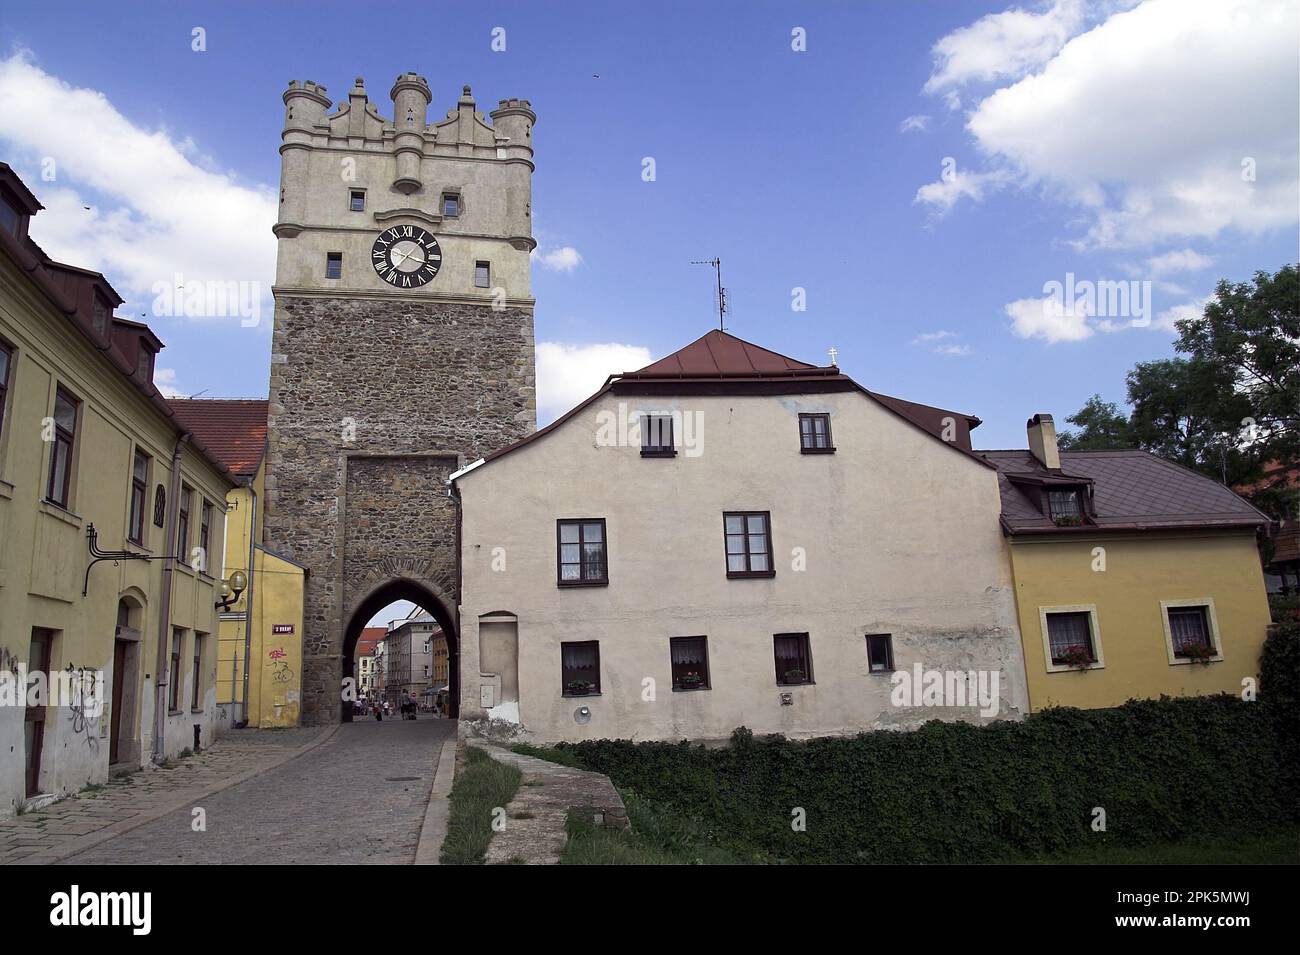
(434,830)
(93,839)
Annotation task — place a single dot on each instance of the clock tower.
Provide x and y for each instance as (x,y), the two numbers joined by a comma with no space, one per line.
(402,350)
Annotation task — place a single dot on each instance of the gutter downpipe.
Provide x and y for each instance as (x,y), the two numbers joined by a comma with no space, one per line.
(248,602)
(165,603)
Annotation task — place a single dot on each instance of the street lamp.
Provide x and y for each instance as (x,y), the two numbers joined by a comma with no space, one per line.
(231,589)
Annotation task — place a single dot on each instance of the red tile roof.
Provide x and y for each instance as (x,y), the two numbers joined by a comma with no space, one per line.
(370,636)
(719,355)
(1132,490)
(719,363)
(234,429)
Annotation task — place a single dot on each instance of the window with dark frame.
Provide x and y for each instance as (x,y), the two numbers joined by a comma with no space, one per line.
(357,200)
(183,525)
(1069,638)
(880,653)
(6,361)
(1189,629)
(657,436)
(65,434)
(580,667)
(582,553)
(450,204)
(1065,506)
(690,662)
(815,434)
(482,274)
(793,658)
(174,697)
(139,493)
(749,544)
(333,265)
(196,695)
(205,522)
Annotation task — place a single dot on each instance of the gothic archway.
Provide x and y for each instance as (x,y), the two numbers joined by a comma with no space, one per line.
(423,595)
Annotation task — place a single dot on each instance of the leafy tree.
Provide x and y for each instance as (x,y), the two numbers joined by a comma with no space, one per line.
(1228,408)
(1103,427)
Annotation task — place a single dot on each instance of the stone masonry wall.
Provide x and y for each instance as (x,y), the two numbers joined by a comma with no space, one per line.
(372,404)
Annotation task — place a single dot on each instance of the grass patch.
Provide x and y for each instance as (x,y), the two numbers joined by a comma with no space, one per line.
(656,836)
(549,753)
(482,786)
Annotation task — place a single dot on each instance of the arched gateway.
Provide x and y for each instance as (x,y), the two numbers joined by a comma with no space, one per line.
(402,351)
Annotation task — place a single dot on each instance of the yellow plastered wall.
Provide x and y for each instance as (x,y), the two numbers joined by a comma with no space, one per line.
(1140,572)
(275,659)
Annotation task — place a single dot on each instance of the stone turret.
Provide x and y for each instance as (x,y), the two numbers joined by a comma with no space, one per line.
(305,104)
(411,98)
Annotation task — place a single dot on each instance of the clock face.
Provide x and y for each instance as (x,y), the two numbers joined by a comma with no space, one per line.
(406,256)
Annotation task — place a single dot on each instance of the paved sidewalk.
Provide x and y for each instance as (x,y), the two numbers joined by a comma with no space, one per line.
(97,815)
(360,797)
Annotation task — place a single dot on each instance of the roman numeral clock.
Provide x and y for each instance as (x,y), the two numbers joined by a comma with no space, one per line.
(406,256)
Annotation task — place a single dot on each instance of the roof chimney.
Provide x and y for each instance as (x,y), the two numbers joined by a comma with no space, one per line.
(1042,441)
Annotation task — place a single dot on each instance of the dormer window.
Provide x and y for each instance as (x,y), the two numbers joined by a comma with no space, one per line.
(1065,506)
(9,217)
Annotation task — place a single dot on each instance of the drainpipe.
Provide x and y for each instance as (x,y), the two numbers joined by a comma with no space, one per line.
(248,601)
(165,603)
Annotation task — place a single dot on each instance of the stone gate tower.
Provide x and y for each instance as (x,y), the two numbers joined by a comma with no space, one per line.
(403,349)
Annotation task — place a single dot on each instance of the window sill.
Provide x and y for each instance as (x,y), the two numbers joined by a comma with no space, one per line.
(741,575)
(565,584)
(803,683)
(1066,668)
(816,450)
(194,712)
(135,547)
(59,512)
(6,490)
(175,712)
(655,453)
(578,696)
(1184,661)
(690,689)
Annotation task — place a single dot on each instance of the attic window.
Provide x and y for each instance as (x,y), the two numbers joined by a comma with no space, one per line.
(9,217)
(1065,506)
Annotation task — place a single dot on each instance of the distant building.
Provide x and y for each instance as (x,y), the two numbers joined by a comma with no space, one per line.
(364,666)
(409,656)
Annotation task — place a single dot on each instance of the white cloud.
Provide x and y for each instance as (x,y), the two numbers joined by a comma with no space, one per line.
(1164,321)
(952,350)
(1182,260)
(1155,120)
(568,374)
(926,337)
(1002,45)
(1048,319)
(564,259)
(164,380)
(914,124)
(155,210)
(942,194)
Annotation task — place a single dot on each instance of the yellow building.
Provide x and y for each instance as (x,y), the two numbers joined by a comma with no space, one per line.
(259,654)
(1134,577)
(111,535)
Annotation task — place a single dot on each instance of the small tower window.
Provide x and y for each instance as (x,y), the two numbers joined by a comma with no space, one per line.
(450,205)
(357,200)
(482,274)
(334,265)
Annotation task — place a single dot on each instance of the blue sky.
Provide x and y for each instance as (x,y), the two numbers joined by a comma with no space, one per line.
(1109,140)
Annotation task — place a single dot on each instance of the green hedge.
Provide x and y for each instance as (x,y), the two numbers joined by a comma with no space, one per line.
(952,792)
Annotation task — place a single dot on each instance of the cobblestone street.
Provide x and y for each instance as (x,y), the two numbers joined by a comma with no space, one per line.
(358,797)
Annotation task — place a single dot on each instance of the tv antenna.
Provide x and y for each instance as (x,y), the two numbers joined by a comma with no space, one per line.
(722,292)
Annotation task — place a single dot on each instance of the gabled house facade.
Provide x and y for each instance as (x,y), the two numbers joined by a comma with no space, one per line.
(1134,577)
(730,537)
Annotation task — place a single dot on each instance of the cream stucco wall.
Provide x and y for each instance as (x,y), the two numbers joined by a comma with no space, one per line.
(900,534)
